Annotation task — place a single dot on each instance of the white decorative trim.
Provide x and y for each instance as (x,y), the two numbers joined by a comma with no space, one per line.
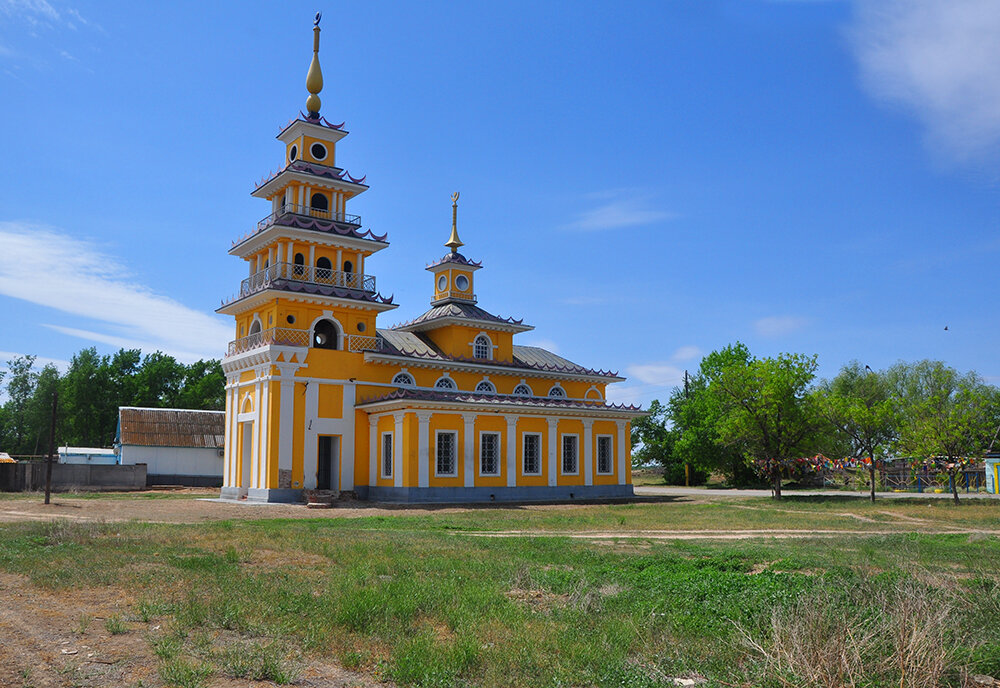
(404,371)
(469,449)
(563,435)
(524,382)
(446,376)
(541,457)
(489,343)
(397,458)
(498,458)
(558,396)
(492,387)
(437,437)
(381,454)
(553,451)
(597,455)
(328,315)
(593,388)
(423,452)
(622,451)
(588,451)
(511,450)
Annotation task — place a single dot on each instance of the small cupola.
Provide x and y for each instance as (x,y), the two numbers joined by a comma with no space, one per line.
(453,272)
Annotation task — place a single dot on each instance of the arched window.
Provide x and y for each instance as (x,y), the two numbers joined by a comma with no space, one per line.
(522,390)
(321,204)
(326,335)
(445,383)
(299,269)
(403,380)
(482,347)
(557,392)
(324,270)
(348,266)
(255,327)
(486,387)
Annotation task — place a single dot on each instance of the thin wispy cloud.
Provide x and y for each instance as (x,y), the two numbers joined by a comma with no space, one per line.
(546,344)
(939,60)
(90,284)
(623,209)
(659,375)
(40,361)
(778,325)
(31,11)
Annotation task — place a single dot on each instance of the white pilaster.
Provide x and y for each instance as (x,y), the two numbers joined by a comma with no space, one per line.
(622,452)
(470,445)
(256,450)
(588,452)
(511,450)
(227,479)
(423,452)
(312,255)
(264,413)
(302,203)
(398,450)
(374,450)
(553,451)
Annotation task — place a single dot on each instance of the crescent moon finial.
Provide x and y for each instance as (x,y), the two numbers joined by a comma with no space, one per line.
(319,15)
(454,197)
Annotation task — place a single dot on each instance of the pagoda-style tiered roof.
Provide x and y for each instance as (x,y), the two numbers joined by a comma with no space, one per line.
(461,313)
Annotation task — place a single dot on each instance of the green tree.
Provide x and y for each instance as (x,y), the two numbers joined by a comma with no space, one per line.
(87,400)
(39,410)
(767,410)
(21,382)
(696,413)
(158,381)
(204,386)
(655,443)
(947,418)
(860,407)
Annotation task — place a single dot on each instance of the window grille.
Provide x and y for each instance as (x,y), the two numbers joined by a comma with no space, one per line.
(446,464)
(532,454)
(569,454)
(604,455)
(481,348)
(557,392)
(522,390)
(445,383)
(387,455)
(403,380)
(489,453)
(486,386)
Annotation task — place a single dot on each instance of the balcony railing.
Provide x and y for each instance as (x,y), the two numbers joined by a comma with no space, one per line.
(306,273)
(284,336)
(307,211)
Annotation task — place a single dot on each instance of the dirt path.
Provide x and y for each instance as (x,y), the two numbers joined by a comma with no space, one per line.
(712,534)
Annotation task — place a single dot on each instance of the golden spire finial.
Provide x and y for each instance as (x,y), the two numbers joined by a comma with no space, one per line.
(454,242)
(314,79)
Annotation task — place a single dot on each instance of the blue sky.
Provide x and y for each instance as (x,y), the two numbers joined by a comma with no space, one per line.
(645,182)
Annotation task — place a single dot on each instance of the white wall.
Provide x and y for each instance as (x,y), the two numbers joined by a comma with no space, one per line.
(174,460)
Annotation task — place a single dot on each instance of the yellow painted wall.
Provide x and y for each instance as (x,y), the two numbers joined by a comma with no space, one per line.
(331,401)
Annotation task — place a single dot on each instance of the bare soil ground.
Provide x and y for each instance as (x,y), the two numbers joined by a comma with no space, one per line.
(50,639)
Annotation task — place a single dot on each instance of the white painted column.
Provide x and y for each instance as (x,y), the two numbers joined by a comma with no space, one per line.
(312,259)
(469,446)
(264,413)
(347,438)
(310,447)
(423,451)
(279,254)
(301,203)
(553,451)
(308,199)
(588,452)
(227,467)
(255,448)
(290,256)
(374,450)
(252,263)
(290,196)
(511,450)
(622,452)
(398,450)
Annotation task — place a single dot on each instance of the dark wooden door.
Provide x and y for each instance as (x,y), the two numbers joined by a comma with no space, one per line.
(324,463)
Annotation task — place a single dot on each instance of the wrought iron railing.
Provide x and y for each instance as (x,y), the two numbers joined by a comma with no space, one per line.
(306,273)
(280,336)
(308,211)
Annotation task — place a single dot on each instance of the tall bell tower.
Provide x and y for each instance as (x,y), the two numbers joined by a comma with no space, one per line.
(304,317)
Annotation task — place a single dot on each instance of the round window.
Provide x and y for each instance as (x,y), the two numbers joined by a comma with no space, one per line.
(290,319)
(461,282)
(442,283)
(362,327)
(318,151)
(293,153)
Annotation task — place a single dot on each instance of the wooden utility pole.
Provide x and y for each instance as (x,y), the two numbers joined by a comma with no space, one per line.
(687,468)
(52,447)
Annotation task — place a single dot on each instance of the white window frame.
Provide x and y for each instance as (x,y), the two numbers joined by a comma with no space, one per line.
(454,385)
(538,458)
(562,453)
(491,390)
(557,396)
(489,347)
(611,454)
(524,384)
(412,383)
(496,458)
(454,453)
(381,454)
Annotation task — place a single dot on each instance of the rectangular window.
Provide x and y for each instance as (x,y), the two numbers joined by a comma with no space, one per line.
(386,454)
(447,446)
(570,463)
(489,453)
(532,445)
(605,455)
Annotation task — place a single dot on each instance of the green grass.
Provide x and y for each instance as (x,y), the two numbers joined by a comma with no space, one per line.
(123,495)
(415,600)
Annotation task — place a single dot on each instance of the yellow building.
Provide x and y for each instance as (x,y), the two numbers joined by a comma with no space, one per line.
(444,408)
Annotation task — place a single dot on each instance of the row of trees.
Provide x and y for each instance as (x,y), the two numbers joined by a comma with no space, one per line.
(91,391)
(748,417)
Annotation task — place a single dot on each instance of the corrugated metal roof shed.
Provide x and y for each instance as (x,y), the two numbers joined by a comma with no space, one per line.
(151,427)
